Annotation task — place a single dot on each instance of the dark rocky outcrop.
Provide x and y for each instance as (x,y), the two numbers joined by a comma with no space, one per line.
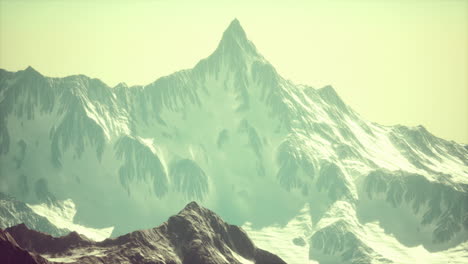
(195,235)
(11,253)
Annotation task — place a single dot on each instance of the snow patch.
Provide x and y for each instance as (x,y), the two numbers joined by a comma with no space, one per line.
(241,259)
(75,255)
(280,239)
(61,215)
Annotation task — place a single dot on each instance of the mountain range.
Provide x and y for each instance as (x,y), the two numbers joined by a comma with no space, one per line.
(193,236)
(297,167)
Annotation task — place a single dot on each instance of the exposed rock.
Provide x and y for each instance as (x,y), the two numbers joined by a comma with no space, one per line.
(195,235)
(11,253)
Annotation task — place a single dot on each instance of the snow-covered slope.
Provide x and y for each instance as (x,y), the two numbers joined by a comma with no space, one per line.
(52,217)
(61,214)
(13,212)
(234,135)
(340,236)
(290,241)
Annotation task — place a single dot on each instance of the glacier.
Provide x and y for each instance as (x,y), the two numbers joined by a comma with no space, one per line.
(256,148)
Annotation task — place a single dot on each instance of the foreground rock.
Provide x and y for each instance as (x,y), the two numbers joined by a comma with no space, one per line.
(10,252)
(195,235)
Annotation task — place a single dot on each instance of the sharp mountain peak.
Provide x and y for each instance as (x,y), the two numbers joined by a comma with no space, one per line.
(235,41)
(31,71)
(235,29)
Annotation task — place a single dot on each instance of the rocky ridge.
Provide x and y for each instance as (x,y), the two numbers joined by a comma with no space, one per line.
(195,235)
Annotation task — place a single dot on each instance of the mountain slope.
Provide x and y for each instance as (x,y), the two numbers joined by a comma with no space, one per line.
(53,217)
(234,135)
(11,253)
(13,212)
(194,235)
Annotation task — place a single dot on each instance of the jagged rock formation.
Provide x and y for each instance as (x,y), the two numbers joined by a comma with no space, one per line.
(11,253)
(194,236)
(235,135)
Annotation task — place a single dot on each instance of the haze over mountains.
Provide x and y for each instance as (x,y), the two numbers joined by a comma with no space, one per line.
(295,165)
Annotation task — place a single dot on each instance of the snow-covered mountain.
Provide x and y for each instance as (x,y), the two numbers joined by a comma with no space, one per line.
(234,135)
(53,217)
(13,212)
(61,214)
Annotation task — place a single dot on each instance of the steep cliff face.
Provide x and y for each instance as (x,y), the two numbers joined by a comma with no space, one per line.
(195,235)
(234,135)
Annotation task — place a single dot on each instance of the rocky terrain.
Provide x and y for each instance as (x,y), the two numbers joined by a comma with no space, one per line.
(195,235)
(12,253)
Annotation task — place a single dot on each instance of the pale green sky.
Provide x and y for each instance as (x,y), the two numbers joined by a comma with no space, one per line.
(395,62)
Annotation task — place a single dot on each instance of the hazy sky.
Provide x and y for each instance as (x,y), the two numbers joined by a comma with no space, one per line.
(395,62)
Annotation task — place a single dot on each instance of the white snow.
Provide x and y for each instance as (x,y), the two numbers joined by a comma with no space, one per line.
(74,255)
(62,216)
(241,259)
(279,239)
(190,131)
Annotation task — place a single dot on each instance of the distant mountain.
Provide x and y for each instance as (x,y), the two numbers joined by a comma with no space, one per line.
(62,214)
(194,236)
(53,217)
(13,212)
(234,135)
